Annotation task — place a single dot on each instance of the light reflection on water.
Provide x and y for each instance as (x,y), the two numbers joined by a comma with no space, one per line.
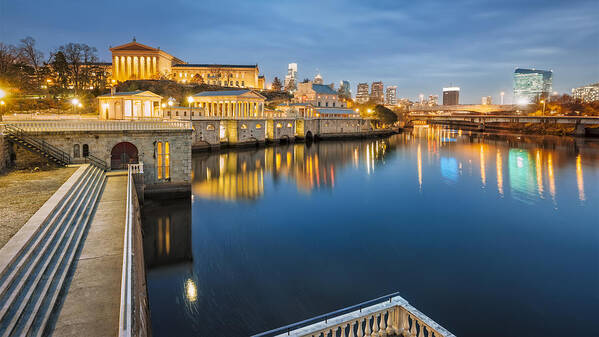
(272,235)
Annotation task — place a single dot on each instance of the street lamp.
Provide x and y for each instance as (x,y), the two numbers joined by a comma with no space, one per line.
(75,103)
(543,102)
(189,100)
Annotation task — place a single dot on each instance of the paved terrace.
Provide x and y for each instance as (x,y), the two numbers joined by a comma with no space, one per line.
(92,303)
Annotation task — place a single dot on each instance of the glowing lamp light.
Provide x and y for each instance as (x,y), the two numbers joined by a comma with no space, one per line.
(2,93)
(170,103)
(2,103)
(191,291)
(75,101)
(80,105)
(189,99)
(163,105)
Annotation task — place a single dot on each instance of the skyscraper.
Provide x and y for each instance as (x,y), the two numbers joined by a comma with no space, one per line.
(362,96)
(391,95)
(531,85)
(451,96)
(376,93)
(344,90)
(291,77)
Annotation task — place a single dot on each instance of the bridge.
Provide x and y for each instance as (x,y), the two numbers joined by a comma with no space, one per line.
(479,108)
(581,123)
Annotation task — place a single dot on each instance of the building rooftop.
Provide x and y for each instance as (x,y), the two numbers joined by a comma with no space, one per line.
(130,93)
(336,111)
(222,93)
(323,89)
(191,65)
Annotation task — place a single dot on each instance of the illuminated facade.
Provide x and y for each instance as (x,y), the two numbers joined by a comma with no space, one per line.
(135,61)
(588,93)
(391,95)
(129,105)
(232,103)
(363,95)
(531,85)
(319,95)
(376,93)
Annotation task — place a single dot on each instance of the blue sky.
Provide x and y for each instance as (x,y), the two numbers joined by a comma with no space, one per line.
(420,46)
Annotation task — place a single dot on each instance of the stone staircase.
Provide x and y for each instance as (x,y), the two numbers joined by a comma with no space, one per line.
(18,136)
(33,277)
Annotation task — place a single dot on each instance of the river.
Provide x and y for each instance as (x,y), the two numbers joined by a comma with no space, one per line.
(487,234)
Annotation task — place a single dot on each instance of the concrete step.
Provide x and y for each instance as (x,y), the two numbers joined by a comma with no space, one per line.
(30,285)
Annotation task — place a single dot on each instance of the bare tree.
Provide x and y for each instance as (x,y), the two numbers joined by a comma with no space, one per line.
(9,56)
(79,57)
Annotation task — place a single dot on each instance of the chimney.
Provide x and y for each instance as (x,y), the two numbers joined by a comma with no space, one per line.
(112,91)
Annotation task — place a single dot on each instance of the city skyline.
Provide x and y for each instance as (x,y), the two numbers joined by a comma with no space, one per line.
(422,57)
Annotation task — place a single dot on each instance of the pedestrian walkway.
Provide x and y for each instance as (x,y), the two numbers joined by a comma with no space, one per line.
(91,305)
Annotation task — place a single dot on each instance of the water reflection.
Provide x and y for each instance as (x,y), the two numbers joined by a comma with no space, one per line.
(239,175)
(270,231)
(167,233)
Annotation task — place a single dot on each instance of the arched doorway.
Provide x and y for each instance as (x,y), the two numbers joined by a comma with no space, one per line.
(122,154)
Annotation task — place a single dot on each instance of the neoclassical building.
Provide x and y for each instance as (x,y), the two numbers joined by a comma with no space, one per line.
(129,105)
(233,103)
(134,60)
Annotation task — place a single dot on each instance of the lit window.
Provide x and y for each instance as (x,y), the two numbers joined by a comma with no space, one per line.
(289,125)
(210,127)
(258,126)
(163,160)
(279,125)
(243,126)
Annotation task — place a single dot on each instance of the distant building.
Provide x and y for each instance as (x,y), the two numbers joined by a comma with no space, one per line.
(531,85)
(376,93)
(588,93)
(486,100)
(362,96)
(433,100)
(451,96)
(391,95)
(291,77)
(319,95)
(230,103)
(318,79)
(344,89)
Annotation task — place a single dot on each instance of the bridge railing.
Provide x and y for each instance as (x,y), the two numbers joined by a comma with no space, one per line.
(98,125)
(387,315)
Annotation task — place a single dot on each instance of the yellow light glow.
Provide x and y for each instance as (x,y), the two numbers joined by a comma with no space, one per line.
(74,101)
(2,93)
(170,103)
(80,105)
(2,103)
(189,99)
(580,178)
(191,291)
(499,166)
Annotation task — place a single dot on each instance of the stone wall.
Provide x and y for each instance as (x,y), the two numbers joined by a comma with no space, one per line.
(101,143)
(5,160)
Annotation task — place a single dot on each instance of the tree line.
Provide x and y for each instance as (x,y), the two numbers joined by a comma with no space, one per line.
(71,67)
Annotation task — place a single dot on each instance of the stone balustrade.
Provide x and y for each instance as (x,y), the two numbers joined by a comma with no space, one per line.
(391,315)
(91,125)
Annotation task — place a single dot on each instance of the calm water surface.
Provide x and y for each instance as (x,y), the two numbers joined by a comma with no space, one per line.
(486,234)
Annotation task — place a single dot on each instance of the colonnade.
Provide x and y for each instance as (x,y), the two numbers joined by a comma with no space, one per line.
(242,109)
(127,67)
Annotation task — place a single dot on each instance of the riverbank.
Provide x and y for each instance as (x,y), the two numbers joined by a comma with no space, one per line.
(23,193)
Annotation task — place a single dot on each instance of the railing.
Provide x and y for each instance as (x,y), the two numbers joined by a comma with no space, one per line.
(384,316)
(41,145)
(96,162)
(125,317)
(97,125)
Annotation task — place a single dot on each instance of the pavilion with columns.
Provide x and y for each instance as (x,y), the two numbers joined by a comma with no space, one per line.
(232,103)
